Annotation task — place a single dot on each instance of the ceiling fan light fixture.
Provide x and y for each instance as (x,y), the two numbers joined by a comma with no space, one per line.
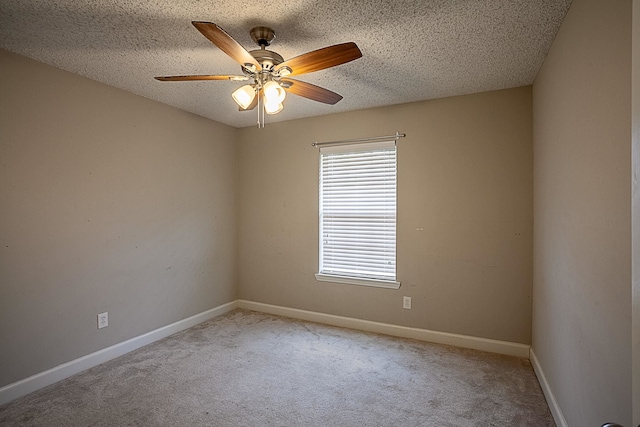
(273,93)
(244,96)
(273,107)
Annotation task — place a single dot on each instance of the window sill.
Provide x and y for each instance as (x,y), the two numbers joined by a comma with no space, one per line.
(388,284)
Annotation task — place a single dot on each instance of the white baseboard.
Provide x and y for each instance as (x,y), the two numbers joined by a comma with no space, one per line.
(548,393)
(43,379)
(484,344)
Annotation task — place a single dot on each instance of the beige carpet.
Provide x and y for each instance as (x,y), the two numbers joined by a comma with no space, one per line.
(252,369)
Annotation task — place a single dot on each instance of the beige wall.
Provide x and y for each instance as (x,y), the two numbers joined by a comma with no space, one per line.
(108,202)
(464,215)
(582,208)
(636,211)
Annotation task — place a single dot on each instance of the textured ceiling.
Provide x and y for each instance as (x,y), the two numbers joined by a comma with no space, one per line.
(412,50)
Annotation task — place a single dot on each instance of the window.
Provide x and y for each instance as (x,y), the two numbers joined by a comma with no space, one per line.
(358,214)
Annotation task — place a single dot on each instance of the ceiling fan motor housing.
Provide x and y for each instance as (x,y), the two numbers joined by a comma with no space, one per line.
(263,36)
(267,59)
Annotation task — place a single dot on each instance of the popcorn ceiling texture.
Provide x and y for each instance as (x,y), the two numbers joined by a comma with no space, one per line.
(412,50)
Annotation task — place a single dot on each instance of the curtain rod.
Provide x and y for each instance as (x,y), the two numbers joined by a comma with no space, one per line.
(357,141)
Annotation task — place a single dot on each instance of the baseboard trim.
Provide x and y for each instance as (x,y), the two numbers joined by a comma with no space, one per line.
(548,393)
(53,375)
(58,373)
(484,344)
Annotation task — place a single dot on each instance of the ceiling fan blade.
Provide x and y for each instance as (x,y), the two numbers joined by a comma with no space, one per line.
(226,43)
(311,91)
(322,58)
(196,78)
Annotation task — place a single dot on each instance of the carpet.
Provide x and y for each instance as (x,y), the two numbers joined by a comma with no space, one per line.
(252,369)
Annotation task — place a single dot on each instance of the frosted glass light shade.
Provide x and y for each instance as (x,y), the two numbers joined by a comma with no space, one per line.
(272,107)
(273,93)
(244,96)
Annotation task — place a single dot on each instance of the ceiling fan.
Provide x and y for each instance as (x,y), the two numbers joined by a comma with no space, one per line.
(268,73)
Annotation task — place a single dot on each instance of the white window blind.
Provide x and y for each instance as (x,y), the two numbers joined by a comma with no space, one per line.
(358,211)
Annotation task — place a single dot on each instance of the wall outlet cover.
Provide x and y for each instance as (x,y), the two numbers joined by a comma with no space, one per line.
(406,303)
(103,320)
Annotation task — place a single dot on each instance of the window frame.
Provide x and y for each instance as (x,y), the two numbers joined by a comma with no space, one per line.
(362,280)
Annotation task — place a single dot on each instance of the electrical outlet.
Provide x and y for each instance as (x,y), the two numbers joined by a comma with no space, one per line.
(406,303)
(103,320)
